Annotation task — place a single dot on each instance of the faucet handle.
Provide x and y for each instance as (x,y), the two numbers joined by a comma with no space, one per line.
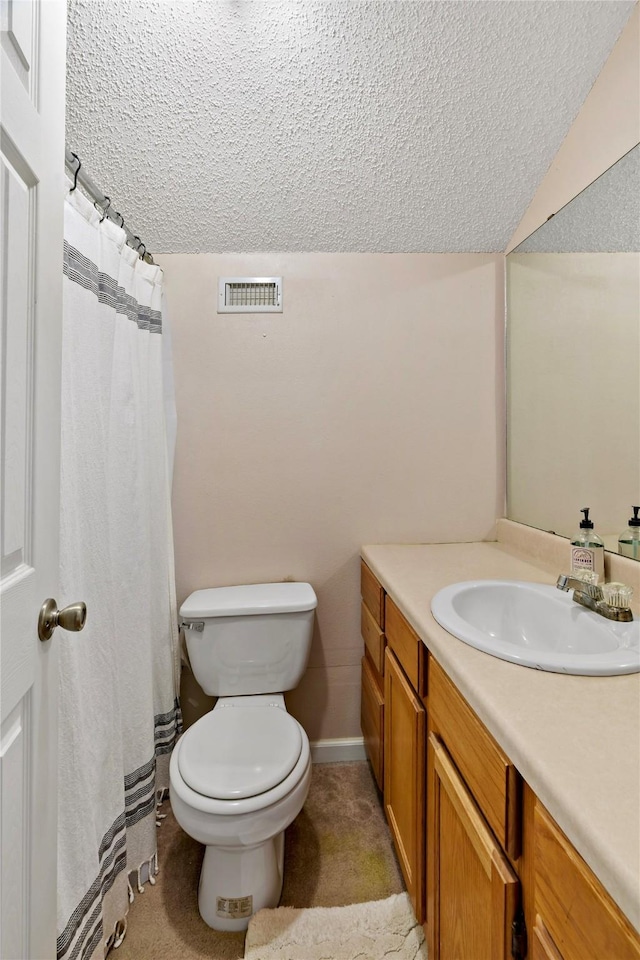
(617,594)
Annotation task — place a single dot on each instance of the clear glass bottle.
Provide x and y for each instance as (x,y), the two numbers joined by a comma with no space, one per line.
(629,541)
(587,549)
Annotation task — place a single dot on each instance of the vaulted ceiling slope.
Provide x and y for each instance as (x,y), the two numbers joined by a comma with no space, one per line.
(328,125)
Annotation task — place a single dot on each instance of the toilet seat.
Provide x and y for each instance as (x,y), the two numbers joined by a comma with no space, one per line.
(236,808)
(240,752)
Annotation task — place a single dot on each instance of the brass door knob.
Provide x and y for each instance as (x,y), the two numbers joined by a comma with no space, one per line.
(72,618)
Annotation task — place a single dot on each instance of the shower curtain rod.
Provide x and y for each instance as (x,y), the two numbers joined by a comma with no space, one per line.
(101,200)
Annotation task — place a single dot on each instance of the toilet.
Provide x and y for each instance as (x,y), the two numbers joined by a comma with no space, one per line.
(240,775)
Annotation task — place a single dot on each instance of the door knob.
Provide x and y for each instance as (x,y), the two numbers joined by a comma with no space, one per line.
(69,618)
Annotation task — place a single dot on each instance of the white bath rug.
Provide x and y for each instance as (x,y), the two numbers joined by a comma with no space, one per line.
(379,930)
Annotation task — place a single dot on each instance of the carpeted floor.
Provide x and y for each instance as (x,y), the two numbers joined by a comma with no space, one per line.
(338,851)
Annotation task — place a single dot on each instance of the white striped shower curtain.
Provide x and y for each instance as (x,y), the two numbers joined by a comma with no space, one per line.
(119,713)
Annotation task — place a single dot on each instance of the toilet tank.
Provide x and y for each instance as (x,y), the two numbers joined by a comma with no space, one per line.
(249,639)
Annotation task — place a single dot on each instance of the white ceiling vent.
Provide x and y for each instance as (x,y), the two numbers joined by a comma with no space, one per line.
(250,295)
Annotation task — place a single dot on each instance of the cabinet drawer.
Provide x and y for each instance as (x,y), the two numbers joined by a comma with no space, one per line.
(407,646)
(581,917)
(493,780)
(373,638)
(372,720)
(372,594)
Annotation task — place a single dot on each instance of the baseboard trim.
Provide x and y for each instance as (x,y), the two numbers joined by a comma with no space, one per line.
(335,751)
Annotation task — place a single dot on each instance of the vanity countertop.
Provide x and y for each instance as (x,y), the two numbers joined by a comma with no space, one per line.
(575,740)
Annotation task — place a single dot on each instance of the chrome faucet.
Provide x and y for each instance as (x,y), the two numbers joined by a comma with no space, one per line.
(590,595)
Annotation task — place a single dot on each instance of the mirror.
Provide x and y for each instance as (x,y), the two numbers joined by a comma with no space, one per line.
(573,361)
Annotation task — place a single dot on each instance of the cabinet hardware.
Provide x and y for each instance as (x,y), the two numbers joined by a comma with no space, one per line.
(519,936)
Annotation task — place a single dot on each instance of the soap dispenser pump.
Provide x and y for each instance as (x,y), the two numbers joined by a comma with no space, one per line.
(629,541)
(587,549)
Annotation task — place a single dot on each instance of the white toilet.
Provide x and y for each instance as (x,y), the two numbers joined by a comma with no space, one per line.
(240,775)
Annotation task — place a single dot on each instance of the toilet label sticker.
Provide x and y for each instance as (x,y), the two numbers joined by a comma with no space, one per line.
(234,908)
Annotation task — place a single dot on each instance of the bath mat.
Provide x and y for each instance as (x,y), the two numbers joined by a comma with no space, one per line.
(378,930)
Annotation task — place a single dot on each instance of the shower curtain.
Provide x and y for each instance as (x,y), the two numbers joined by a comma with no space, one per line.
(119,712)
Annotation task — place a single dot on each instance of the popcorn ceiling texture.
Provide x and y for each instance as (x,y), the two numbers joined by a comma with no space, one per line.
(341,125)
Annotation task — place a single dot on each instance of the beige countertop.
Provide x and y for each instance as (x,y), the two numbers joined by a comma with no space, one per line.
(575,740)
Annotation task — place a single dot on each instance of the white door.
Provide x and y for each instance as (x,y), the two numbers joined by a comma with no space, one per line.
(31,197)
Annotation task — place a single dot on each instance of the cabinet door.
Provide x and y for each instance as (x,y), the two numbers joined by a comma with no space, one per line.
(473,892)
(404,777)
(372,718)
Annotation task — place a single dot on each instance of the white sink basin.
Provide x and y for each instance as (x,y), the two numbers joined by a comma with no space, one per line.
(538,626)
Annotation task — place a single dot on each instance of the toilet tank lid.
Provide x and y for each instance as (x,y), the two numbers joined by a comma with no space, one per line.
(248,600)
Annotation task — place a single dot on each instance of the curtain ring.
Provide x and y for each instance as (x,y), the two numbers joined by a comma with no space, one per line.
(140,244)
(105,208)
(77,171)
(118,214)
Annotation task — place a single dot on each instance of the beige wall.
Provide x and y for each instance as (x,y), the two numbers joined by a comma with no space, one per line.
(370,410)
(607,127)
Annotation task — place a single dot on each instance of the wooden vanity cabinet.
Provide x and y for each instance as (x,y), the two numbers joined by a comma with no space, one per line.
(372,693)
(475,845)
(575,918)
(473,807)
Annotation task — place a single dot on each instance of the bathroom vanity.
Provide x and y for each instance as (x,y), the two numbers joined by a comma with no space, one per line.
(512,794)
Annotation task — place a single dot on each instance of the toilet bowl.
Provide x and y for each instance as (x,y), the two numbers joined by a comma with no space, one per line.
(240,775)
(243,834)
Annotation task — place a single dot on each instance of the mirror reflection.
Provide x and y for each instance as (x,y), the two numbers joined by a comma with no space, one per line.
(573,362)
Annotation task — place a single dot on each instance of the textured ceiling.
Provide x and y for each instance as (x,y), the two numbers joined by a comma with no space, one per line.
(341,125)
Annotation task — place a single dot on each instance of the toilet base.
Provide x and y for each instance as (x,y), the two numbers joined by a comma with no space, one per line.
(236,882)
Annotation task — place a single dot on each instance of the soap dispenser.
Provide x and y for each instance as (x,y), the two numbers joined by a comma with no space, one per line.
(629,541)
(587,549)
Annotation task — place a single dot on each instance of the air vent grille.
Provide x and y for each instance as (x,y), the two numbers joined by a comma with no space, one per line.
(250,295)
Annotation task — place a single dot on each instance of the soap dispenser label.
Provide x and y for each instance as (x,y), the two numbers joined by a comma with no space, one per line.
(587,558)
(582,558)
